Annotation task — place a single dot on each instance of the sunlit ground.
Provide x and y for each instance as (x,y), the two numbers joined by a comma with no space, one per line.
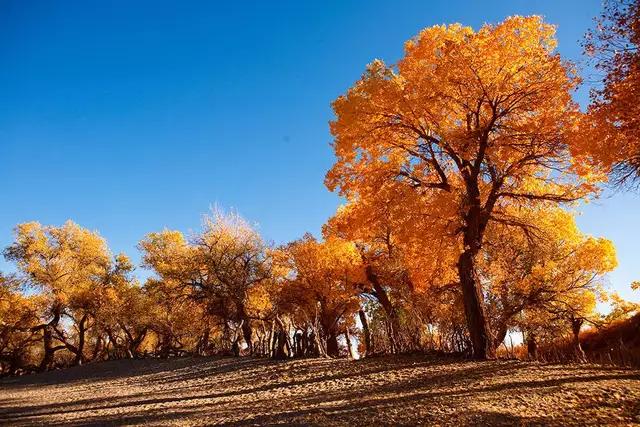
(402,390)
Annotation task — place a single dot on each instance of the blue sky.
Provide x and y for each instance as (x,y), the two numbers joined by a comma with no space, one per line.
(128,117)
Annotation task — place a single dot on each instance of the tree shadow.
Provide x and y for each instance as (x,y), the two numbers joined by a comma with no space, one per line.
(304,392)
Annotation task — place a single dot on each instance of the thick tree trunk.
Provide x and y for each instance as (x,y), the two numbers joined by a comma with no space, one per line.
(332,345)
(247,334)
(474,308)
(298,344)
(282,349)
(366,333)
(314,347)
(475,221)
(47,342)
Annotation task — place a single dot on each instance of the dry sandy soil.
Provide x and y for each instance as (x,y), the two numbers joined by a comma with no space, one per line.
(407,390)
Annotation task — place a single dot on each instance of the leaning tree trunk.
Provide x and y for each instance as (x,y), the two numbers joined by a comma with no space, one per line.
(389,309)
(501,333)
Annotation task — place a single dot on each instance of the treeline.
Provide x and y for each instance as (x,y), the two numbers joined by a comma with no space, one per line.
(224,291)
(461,168)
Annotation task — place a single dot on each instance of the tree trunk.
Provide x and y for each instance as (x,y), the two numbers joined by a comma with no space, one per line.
(247,332)
(532,346)
(47,340)
(366,333)
(576,325)
(347,337)
(474,307)
(332,345)
(501,334)
(389,309)
(79,359)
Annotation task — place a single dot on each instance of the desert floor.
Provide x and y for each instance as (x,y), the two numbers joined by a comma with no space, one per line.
(405,390)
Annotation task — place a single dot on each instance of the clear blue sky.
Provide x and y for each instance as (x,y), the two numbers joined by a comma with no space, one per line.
(128,117)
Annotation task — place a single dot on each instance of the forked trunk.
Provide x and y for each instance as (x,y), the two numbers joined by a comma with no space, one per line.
(247,332)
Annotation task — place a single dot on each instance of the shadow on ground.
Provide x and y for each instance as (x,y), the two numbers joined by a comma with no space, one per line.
(402,390)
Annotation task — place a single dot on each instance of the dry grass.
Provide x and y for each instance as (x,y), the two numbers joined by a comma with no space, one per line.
(404,390)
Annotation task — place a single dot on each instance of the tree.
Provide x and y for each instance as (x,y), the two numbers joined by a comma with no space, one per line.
(472,123)
(397,264)
(217,268)
(18,317)
(613,121)
(549,268)
(72,267)
(321,287)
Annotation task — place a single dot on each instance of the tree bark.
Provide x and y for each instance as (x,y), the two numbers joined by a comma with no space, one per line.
(79,350)
(532,346)
(474,308)
(366,332)
(247,332)
(383,298)
(332,345)
(347,337)
(501,334)
(576,325)
(47,340)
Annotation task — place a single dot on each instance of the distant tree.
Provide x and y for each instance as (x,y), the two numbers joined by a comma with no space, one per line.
(72,268)
(18,318)
(218,268)
(549,266)
(321,287)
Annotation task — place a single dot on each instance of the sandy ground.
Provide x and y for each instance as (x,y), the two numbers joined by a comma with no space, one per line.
(407,390)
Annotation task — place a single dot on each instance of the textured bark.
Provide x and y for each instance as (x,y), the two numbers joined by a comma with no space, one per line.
(501,333)
(79,349)
(474,308)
